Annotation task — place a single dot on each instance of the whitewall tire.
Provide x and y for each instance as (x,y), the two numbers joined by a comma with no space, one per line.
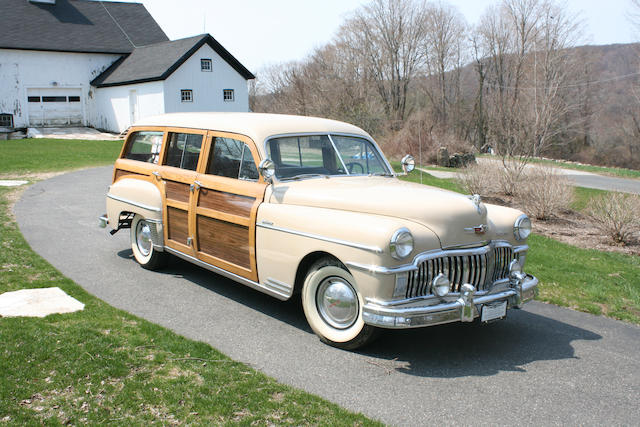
(142,245)
(333,307)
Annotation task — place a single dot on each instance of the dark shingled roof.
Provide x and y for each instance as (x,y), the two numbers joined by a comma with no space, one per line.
(77,26)
(158,61)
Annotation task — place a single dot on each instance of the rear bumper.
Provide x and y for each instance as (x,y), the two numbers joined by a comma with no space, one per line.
(466,308)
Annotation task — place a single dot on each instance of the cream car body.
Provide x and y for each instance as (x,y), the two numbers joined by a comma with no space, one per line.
(328,236)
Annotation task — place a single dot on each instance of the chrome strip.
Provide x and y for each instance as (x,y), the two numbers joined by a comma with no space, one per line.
(139,205)
(374,249)
(278,285)
(425,256)
(523,248)
(254,285)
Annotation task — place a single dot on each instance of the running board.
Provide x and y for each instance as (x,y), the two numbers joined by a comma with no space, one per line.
(250,283)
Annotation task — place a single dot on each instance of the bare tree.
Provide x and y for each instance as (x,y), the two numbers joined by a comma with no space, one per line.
(444,38)
(386,36)
(522,47)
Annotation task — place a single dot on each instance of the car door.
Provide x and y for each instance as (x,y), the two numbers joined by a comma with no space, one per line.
(224,204)
(177,175)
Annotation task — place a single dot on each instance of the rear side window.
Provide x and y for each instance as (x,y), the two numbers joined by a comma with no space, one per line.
(183,150)
(144,147)
(233,159)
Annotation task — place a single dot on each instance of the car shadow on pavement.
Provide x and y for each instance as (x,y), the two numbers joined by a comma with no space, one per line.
(475,349)
(453,350)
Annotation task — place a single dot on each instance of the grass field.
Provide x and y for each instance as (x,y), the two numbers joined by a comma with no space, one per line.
(26,156)
(105,366)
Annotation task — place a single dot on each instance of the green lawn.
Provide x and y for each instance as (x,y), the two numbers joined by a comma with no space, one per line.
(105,366)
(587,280)
(428,179)
(582,196)
(51,155)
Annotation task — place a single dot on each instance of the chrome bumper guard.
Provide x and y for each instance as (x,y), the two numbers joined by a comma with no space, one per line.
(465,309)
(103,221)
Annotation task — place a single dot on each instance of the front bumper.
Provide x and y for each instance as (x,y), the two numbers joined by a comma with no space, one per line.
(416,313)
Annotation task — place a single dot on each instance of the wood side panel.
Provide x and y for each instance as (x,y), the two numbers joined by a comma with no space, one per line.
(224,240)
(226,202)
(177,191)
(121,172)
(177,225)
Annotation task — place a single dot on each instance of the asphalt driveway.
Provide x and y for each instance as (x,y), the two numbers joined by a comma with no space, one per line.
(543,365)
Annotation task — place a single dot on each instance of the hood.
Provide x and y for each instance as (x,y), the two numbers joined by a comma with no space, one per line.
(450,215)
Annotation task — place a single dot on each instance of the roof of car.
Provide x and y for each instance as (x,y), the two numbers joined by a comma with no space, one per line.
(257,126)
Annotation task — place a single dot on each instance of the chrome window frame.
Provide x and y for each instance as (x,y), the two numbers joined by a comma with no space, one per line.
(328,134)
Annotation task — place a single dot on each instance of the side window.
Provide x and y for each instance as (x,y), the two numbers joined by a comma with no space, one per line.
(183,150)
(144,146)
(233,159)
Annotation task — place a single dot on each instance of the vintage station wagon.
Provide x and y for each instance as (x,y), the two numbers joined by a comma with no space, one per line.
(300,206)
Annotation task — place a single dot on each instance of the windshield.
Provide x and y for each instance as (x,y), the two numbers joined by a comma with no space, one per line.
(330,155)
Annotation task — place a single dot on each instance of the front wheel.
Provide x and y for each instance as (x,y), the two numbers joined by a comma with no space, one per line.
(334,308)
(142,245)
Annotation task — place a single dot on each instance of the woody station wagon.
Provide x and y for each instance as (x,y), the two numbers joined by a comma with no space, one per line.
(310,208)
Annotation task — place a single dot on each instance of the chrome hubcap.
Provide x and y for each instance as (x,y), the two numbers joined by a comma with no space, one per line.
(143,238)
(337,302)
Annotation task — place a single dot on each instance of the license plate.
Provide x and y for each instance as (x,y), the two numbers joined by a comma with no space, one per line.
(493,311)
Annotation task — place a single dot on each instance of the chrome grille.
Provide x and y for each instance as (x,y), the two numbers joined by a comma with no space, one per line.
(479,270)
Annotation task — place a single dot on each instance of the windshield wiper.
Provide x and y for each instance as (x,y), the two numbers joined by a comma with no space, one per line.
(304,176)
(382,174)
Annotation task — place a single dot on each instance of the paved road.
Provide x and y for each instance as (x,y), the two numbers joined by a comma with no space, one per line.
(578,178)
(543,365)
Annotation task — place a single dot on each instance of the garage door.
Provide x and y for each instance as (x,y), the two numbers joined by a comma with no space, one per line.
(54,107)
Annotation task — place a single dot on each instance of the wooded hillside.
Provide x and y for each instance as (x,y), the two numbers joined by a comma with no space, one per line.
(416,74)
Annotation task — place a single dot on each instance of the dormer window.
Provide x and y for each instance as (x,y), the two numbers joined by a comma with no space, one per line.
(205,65)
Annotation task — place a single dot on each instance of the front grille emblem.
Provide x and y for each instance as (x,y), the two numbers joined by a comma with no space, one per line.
(478,229)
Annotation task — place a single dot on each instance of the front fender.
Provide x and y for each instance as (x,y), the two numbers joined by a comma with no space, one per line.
(285,234)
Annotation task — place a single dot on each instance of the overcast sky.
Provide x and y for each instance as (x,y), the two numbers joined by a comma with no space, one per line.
(262,32)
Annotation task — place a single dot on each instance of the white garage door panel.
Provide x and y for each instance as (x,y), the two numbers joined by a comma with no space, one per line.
(55,107)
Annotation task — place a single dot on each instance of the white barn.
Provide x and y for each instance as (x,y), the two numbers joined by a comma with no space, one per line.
(106,64)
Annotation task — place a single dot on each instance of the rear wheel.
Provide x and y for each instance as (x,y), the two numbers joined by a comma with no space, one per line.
(333,307)
(142,245)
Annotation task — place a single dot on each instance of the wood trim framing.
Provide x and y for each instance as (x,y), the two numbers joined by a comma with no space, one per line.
(218,214)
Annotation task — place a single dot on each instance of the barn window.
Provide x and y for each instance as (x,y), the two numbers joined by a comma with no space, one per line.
(186,95)
(6,120)
(227,95)
(54,99)
(205,64)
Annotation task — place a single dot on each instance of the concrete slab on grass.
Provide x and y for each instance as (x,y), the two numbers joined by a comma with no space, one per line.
(11,183)
(37,303)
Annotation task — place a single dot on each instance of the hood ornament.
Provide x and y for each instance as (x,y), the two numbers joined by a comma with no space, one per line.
(476,200)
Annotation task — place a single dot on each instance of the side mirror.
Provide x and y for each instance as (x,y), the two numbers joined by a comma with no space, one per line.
(408,163)
(267,169)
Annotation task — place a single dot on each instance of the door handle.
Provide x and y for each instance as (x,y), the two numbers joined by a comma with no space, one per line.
(156,174)
(195,186)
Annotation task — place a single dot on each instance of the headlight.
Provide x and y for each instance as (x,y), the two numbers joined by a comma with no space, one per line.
(522,227)
(401,243)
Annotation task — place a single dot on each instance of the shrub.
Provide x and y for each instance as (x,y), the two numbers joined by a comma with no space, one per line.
(544,191)
(616,214)
(481,178)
